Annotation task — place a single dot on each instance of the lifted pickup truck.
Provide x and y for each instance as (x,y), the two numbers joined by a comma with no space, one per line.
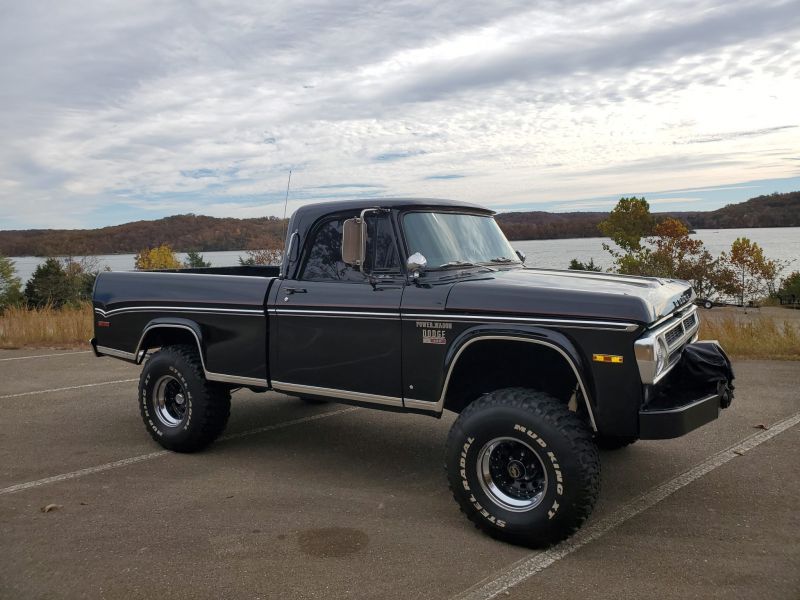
(423,306)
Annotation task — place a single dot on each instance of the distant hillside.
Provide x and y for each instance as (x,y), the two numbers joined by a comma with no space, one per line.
(181,232)
(208,234)
(539,225)
(775,210)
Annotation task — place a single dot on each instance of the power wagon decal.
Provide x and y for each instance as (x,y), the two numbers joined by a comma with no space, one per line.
(434,332)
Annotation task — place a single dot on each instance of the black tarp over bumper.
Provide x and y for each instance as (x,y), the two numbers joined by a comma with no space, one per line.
(691,395)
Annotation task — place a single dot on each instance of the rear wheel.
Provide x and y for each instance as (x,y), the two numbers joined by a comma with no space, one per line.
(523,467)
(181,410)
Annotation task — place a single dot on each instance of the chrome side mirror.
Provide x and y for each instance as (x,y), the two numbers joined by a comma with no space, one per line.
(353,242)
(521,255)
(416,263)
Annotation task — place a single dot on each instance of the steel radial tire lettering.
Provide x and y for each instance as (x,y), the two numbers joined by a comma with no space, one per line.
(523,420)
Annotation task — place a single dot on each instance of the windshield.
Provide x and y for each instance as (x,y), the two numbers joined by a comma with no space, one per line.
(453,239)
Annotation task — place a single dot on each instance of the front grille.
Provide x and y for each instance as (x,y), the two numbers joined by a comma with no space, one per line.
(674,334)
(690,321)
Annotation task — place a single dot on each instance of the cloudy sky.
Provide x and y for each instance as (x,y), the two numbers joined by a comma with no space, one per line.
(118,111)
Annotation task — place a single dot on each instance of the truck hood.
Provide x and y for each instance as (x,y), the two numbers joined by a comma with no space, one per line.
(580,294)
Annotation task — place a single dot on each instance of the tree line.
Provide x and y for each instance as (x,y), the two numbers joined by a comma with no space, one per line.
(774,210)
(209,234)
(183,233)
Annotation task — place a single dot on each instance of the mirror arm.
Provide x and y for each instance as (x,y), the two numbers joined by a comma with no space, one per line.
(363,218)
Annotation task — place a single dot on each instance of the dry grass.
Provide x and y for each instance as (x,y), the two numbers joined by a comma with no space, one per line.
(756,337)
(66,327)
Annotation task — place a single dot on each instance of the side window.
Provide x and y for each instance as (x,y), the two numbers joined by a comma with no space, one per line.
(324,261)
(382,256)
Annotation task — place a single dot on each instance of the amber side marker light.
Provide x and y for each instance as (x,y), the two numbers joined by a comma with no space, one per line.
(607,358)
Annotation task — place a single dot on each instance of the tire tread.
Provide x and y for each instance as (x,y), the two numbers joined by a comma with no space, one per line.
(545,407)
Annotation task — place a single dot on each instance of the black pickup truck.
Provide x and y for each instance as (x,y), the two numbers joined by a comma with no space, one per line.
(423,306)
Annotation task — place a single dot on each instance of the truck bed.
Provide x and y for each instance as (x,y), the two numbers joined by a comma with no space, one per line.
(220,309)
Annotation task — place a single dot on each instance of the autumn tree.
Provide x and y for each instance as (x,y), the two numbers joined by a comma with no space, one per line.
(676,255)
(754,273)
(10,285)
(160,257)
(663,248)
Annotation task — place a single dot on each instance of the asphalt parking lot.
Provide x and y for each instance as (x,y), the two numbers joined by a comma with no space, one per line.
(330,501)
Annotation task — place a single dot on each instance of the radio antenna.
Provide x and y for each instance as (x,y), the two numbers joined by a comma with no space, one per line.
(286,202)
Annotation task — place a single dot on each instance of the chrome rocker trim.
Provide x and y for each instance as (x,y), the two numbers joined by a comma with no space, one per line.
(296,388)
(106,351)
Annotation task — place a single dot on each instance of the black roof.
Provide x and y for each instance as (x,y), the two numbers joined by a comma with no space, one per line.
(312,212)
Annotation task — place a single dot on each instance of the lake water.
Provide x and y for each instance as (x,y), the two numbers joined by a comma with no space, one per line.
(781,243)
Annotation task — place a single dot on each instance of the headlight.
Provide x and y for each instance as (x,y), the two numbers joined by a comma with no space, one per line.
(652,357)
(662,356)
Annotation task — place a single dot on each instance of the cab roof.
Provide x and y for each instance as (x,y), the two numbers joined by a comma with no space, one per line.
(312,212)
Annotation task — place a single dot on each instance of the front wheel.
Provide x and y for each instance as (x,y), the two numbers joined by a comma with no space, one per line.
(523,467)
(181,410)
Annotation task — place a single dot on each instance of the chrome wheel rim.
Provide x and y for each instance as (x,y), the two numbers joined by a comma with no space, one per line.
(512,474)
(170,403)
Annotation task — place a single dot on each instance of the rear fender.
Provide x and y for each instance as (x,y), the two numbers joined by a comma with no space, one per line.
(159,326)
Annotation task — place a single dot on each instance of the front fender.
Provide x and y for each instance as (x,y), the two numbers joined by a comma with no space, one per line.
(548,338)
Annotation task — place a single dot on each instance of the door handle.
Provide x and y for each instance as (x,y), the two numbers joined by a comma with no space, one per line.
(291,290)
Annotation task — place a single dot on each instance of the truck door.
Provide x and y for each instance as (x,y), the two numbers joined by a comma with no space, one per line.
(338,331)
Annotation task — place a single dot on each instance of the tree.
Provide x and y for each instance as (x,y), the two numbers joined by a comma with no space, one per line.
(755,274)
(577,265)
(664,249)
(628,223)
(790,287)
(10,285)
(60,282)
(194,260)
(160,257)
(676,255)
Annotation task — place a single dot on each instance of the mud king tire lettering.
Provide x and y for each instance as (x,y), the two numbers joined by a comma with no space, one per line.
(180,409)
(522,467)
